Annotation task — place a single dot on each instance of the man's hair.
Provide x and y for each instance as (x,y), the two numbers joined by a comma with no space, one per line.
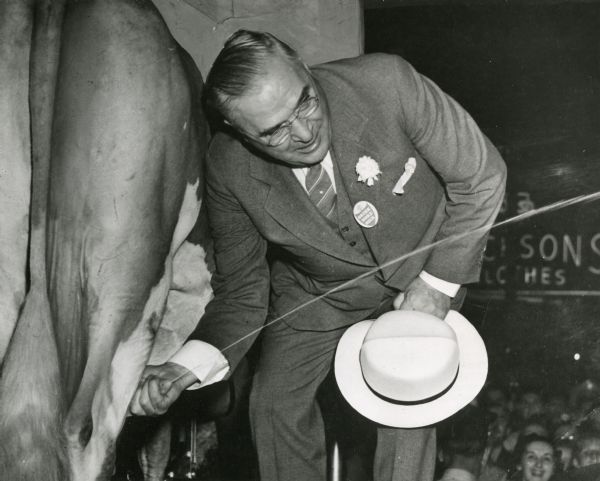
(239,64)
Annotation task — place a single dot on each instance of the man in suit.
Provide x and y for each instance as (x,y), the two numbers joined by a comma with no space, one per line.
(399,166)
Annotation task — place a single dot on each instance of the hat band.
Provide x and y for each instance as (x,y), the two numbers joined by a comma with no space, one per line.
(413,403)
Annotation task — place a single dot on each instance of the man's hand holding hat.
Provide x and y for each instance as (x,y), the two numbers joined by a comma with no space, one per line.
(421,296)
(409,368)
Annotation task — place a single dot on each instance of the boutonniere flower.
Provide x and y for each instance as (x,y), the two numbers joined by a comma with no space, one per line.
(409,170)
(367,170)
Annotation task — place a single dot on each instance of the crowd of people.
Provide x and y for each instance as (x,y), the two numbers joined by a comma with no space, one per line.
(522,435)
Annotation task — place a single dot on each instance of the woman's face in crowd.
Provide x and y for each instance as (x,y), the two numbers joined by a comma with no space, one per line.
(537,461)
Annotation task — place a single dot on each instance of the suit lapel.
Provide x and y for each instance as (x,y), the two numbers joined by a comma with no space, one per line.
(347,126)
(351,141)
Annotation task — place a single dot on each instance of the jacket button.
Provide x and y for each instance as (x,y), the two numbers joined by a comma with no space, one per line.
(345,228)
(352,244)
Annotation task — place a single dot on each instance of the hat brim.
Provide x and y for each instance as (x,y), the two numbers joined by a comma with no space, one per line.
(473,368)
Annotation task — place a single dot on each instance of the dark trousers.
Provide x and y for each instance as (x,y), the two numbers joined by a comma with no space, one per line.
(286,420)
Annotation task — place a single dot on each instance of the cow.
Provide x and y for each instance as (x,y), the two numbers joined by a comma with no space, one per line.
(117,141)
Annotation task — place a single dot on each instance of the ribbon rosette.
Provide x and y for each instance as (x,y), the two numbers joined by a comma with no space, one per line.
(367,170)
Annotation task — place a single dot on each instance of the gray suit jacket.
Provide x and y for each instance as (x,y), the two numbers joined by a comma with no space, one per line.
(381,108)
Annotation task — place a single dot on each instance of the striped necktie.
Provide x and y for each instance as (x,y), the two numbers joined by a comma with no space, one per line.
(320,190)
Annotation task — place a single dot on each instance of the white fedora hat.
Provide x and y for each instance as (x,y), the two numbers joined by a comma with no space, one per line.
(409,369)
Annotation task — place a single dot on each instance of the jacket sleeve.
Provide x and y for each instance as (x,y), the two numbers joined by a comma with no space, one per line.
(234,317)
(470,167)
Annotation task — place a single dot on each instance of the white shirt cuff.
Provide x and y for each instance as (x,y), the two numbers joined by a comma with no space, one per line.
(448,288)
(204,360)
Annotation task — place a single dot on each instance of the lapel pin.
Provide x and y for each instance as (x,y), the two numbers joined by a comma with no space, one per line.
(367,170)
(409,170)
(365,214)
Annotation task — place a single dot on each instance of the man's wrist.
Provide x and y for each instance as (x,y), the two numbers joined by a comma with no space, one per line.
(205,361)
(445,287)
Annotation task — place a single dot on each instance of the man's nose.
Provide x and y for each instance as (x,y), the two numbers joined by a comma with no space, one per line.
(301,131)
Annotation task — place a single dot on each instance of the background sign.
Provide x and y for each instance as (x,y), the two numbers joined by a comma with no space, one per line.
(556,253)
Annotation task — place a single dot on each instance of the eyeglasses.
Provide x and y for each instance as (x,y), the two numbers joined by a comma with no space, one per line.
(284,131)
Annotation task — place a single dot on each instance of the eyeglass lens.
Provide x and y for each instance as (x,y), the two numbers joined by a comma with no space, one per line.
(305,110)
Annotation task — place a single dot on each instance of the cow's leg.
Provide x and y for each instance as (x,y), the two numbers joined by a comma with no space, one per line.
(31,406)
(108,382)
(16,20)
(124,195)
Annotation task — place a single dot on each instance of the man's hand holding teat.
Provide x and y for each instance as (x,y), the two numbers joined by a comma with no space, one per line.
(159,387)
(196,364)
